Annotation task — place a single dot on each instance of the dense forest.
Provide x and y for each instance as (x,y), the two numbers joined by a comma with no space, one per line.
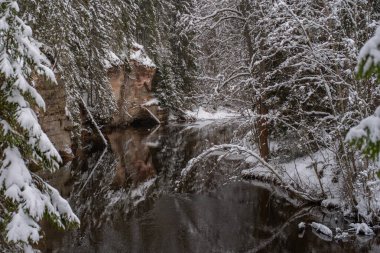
(292,84)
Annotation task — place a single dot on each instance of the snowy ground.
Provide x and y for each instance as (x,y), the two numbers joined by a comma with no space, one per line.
(220,113)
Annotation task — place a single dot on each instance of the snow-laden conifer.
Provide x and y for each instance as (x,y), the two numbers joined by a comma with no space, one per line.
(24,147)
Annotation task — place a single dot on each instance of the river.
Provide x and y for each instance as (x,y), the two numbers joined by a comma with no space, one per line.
(131,202)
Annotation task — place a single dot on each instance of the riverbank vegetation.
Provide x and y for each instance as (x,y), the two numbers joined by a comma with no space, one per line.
(290,66)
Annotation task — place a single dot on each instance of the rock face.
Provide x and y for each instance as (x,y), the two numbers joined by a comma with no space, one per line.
(55,121)
(132,89)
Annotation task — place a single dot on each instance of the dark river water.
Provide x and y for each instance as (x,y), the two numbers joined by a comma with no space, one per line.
(132,202)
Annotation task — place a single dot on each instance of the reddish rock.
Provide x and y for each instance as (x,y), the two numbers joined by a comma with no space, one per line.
(133,89)
(54,121)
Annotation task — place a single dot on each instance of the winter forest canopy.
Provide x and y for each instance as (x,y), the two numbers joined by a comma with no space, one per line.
(295,82)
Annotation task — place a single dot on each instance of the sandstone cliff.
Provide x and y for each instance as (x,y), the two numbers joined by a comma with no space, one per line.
(55,120)
(132,89)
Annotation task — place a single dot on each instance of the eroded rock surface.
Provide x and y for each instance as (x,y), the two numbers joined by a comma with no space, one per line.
(55,120)
(132,89)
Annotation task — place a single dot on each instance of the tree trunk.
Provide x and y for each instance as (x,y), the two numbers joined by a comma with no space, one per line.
(262,126)
(262,130)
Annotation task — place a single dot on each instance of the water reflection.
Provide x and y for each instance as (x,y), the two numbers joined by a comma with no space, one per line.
(135,163)
(131,205)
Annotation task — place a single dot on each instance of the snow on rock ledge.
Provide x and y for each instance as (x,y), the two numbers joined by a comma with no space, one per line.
(138,54)
(132,88)
(112,60)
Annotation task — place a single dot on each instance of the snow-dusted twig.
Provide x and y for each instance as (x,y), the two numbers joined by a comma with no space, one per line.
(233,78)
(215,13)
(315,169)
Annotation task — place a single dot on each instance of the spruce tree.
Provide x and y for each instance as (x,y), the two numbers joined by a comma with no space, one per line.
(25,198)
(366,135)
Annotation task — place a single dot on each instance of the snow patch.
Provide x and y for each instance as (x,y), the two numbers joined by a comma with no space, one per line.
(111,60)
(362,229)
(138,54)
(370,52)
(153,144)
(331,203)
(301,226)
(342,236)
(221,113)
(139,193)
(152,102)
(370,125)
(320,228)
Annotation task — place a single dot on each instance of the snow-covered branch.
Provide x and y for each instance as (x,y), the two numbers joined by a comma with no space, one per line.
(236,148)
